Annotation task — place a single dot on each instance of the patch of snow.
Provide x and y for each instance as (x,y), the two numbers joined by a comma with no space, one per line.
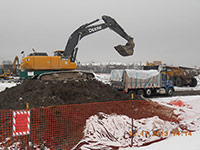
(103,63)
(197,88)
(189,113)
(113,131)
(4,85)
(15,145)
(173,143)
(104,131)
(103,77)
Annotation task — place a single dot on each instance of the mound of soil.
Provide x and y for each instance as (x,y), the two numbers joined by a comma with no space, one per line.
(48,93)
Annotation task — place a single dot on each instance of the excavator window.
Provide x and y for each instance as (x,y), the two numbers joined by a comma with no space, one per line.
(1,71)
(38,54)
(59,53)
(151,67)
(164,69)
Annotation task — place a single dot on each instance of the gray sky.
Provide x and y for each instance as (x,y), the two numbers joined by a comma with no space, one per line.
(167,30)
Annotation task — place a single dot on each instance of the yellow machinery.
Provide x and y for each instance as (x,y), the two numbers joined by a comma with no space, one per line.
(6,73)
(181,76)
(35,62)
(38,63)
(15,65)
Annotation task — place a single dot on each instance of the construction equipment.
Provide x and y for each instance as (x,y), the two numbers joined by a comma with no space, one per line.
(39,64)
(141,82)
(16,65)
(181,76)
(8,71)
(5,74)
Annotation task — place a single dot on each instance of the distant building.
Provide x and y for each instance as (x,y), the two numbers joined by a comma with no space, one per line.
(157,63)
(6,67)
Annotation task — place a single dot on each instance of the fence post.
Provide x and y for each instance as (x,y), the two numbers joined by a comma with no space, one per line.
(132,98)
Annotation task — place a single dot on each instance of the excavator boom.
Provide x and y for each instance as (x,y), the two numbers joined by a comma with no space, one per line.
(58,67)
(88,28)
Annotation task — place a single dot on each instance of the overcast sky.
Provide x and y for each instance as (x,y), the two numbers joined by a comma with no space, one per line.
(167,30)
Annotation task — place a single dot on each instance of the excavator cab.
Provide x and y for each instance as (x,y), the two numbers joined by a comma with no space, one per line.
(59,53)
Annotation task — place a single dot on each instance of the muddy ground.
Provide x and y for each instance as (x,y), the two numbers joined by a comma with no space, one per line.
(49,93)
(62,126)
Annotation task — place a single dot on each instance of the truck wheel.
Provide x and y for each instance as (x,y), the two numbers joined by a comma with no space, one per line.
(148,92)
(193,82)
(179,82)
(140,92)
(170,92)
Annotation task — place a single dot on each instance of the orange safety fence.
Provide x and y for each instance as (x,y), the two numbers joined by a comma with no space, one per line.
(55,127)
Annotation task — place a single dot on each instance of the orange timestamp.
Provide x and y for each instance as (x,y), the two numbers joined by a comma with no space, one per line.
(162,133)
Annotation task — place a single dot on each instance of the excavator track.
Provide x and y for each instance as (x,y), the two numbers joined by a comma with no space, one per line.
(66,76)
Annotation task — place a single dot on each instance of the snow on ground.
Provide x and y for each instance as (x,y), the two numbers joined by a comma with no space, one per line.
(190,110)
(173,143)
(189,113)
(187,88)
(6,84)
(104,131)
(103,77)
(16,145)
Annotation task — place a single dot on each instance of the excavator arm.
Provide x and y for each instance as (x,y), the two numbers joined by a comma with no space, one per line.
(15,64)
(87,29)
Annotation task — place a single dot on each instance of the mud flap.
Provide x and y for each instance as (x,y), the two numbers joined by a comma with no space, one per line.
(126,50)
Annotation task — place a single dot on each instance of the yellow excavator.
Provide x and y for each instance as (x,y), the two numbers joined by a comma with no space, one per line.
(5,74)
(9,73)
(16,66)
(60,66)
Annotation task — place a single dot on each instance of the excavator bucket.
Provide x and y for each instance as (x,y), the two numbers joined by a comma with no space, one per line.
(126,50)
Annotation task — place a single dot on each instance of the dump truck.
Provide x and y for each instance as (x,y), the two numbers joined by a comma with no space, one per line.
(141,82)
(181,76)
(58,67)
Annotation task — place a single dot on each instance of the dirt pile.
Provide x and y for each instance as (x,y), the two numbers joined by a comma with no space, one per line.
(48,93)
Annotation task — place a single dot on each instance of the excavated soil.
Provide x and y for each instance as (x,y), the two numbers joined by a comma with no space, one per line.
(49,93)
(40,93)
